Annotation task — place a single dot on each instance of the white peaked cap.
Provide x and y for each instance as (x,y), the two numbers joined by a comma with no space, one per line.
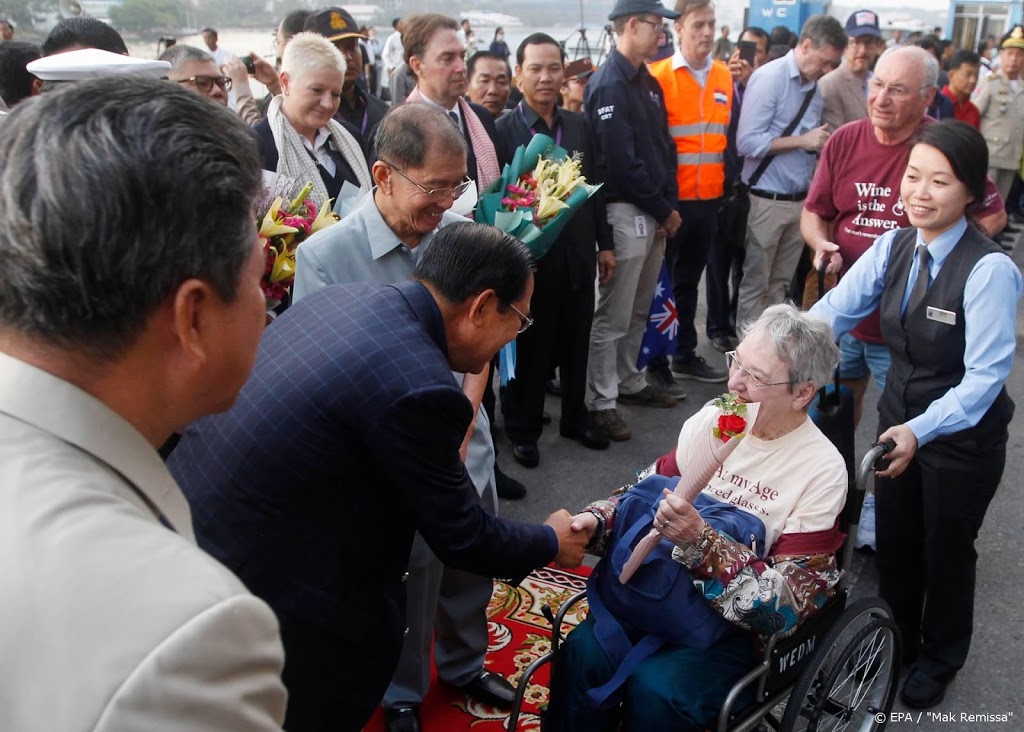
(92,63)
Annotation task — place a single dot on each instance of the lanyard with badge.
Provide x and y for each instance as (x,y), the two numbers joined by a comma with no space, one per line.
(533,132)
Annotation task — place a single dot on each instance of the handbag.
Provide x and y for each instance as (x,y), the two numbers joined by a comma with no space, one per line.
(660,603)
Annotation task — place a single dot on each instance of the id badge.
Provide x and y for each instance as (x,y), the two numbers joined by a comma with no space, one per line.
(941,316)
(640,224)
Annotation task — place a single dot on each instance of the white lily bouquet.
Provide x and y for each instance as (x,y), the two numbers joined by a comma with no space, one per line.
(536,195)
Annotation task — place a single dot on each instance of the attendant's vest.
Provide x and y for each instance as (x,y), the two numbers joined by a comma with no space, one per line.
(698,121)
(927,354)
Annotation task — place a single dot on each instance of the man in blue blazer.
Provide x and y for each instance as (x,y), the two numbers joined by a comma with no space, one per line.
(344,442)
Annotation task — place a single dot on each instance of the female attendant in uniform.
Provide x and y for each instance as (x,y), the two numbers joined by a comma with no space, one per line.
(948,298)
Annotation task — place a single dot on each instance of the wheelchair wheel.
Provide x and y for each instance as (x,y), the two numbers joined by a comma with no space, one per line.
(850,681)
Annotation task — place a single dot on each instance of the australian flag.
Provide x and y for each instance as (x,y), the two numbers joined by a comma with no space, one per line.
(662,324)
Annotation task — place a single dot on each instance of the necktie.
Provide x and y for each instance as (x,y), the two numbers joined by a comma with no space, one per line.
(455,119)
(921,283)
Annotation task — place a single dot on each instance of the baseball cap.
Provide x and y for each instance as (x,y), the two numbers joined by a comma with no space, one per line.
(636,7)
(93,63)
(581,68)
(1013,39)
(863,23)
(333,24)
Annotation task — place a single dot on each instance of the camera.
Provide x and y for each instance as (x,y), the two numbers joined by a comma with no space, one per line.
(249,65)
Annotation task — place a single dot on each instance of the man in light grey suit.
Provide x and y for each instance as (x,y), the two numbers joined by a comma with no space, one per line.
(420,171)
(119,322)
(845,90)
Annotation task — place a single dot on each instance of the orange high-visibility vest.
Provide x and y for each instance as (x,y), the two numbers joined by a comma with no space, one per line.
(698,120)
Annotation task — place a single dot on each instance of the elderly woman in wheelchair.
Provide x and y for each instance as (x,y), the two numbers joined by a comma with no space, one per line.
(750,552)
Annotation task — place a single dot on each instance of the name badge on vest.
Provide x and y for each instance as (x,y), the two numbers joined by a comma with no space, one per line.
(941,316)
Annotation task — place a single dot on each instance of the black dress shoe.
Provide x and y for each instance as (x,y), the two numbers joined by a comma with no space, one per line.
(508,488)
(491,689)
(526,454)
(403,719)
(590,436)
(921,691)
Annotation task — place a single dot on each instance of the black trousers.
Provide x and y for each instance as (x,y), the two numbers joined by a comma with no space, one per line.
(686,254)
(926,522)
(560,335)
(725,265)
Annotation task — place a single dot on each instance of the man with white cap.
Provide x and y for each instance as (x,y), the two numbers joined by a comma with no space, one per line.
(93,63)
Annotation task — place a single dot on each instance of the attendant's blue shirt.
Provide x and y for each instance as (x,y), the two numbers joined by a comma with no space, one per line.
(636,157)
(990,311)
(774,95)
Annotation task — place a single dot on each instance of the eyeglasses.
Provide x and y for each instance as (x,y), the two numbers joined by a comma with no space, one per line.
(733,361)
(205,83)
(434,195)
(896,91)
(527,321)
(652,23)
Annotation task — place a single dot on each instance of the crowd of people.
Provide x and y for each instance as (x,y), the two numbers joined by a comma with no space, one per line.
(203,484)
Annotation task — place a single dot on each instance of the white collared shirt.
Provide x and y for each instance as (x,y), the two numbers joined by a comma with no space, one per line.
(701,75)
(321,151)
(456,109)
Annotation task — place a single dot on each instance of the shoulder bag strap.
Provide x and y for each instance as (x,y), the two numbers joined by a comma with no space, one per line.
(759,171)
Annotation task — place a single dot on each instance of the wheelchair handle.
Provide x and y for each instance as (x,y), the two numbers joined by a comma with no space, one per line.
(871,462)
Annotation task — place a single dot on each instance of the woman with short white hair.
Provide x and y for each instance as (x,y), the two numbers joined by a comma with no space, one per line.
(300,137)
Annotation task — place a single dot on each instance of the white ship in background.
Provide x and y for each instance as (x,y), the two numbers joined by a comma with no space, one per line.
(483,19)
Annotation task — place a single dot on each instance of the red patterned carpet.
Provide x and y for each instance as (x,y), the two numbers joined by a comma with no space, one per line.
(519,634)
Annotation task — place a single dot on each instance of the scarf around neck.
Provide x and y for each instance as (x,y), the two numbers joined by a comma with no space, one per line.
(294,160)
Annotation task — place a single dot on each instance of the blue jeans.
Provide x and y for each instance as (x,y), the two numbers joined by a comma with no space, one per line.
(678,688)
(858,358)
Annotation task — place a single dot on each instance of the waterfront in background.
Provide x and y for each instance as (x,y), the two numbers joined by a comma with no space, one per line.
(242,41)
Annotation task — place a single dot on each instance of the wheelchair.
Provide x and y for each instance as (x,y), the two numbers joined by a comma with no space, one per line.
(838,671)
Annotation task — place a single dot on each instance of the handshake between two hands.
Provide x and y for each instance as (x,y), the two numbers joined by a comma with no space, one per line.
(573,534)
(676,519)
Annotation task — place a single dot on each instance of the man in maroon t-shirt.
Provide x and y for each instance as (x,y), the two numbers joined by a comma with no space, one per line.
(855,195)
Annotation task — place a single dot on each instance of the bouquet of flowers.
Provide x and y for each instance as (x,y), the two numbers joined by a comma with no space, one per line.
(707,457)
(536,195)
(286,223)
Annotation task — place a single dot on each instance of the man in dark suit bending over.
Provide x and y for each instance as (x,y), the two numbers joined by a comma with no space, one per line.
(344,442)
